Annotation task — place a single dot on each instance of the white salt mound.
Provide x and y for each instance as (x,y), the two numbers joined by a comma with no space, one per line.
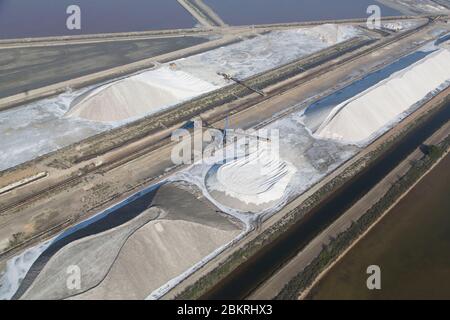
(258,178)
(145,93)
(363,116)
(333,33)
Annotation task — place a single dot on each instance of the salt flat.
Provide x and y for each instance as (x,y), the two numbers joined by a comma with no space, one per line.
(155,254)
(39,128)
(155,90)
(246,183)
(260,182)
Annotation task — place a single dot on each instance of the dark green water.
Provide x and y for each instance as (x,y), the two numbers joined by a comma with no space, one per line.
(411,245)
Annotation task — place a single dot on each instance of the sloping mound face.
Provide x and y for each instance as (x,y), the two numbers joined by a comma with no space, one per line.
(258,178)
(93,255)
(142,94)
(124,266)
(333,33)
(145,255)
(359,119)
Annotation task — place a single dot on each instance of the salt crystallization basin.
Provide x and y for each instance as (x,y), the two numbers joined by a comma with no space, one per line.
(73,116)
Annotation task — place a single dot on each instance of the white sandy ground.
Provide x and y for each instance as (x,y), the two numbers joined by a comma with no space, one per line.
(263,52)
(303,161)
(260,177)
(18,266)
(362,117)
(423,6)
(312,159)
(93,255)
(44,122)
(400,25)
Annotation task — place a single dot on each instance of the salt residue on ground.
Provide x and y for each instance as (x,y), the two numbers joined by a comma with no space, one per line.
(302,162)
(401,25)
(146,93)
(333,33)
(362,117)
(43,121)
(280,48)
